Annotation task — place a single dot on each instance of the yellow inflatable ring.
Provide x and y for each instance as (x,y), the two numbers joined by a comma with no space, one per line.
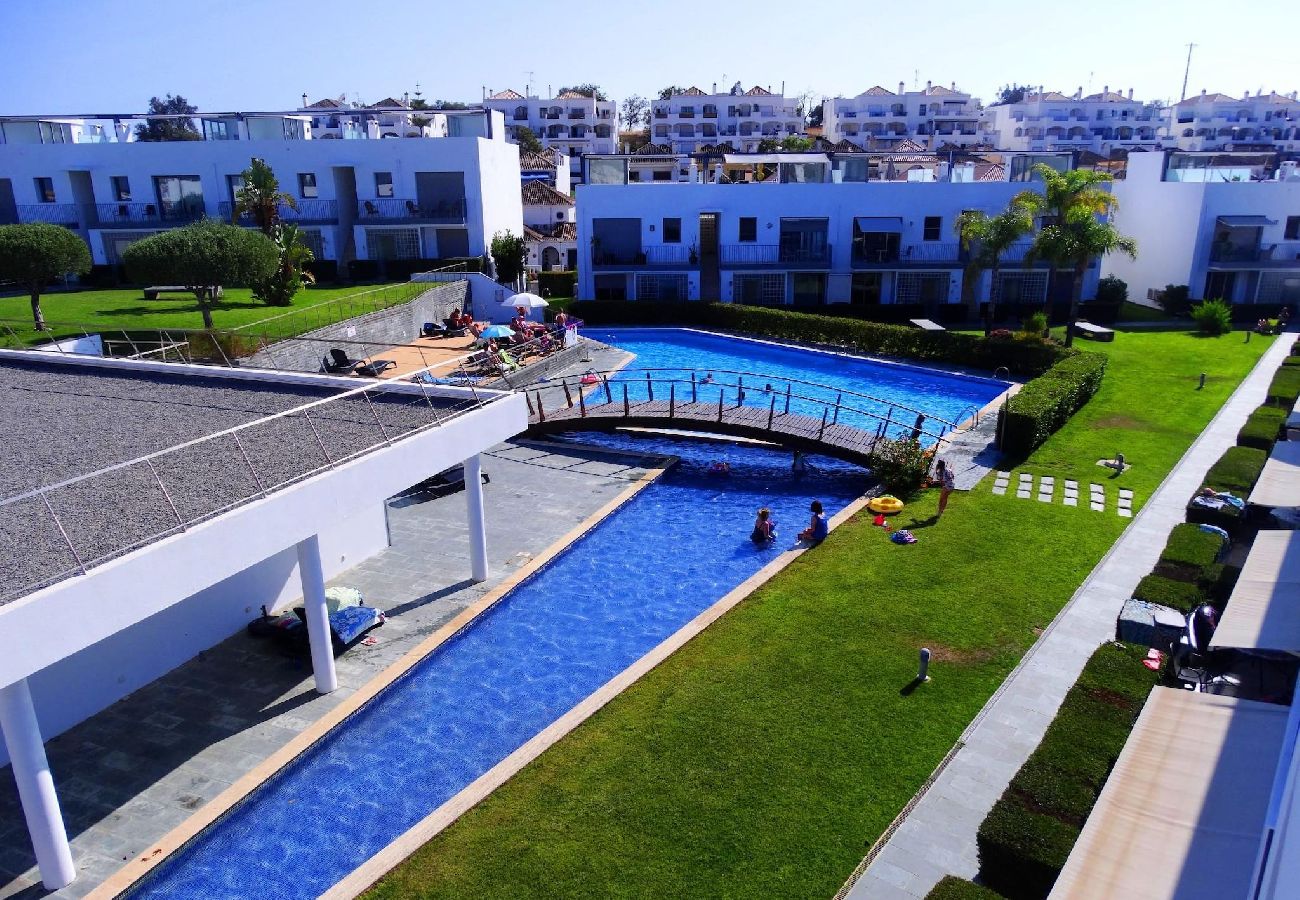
(885,504)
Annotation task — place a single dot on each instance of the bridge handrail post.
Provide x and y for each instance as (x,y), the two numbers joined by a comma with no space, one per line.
(672,398)
(568,398)
(650,387)
(787,398)
(771,411)
(722,391)
(740,390)
(838,398)
(529,401)
(695,398)
(889,420)
(541,413)
(821,431)
(627,409)
(608,397)
(582,404)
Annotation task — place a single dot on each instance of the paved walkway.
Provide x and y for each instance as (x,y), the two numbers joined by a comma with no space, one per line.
(134,771)
(937,837)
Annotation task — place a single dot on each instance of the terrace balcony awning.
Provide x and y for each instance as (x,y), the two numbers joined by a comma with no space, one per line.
(1245,221)
(1183,811)
(1263,612)
(879,223)
(1279,483)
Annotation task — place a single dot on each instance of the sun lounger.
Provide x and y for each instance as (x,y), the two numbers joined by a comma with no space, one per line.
(1093,332)
(375,367)
(338,362)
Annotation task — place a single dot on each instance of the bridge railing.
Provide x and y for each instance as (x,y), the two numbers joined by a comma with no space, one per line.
(681,393)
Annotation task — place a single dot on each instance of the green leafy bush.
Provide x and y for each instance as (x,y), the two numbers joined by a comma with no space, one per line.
(557,284)
(954,888)
(1262,428)
(1112,289)
(1291,361)
(900,464)
(1028,835)
(1034,324)
(1046,403)
(1188,553)
(1284,388)
(1183,596)
(1175,299)
(1237,470)
(1218,581)
(1212,317)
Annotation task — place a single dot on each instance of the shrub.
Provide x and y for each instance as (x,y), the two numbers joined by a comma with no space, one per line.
(1237,470)
(1285,387)
(1188,553)
(1112,289)
(900,464)
(1026,838)
(1175,299)
(1044,404)
(1035,324)
(1217,581)
(323,270)
(1183,596)
(954,888)
(557,284)
(1229,518)
(1212,317)
(1291,361)
(363,270)
(1262,428)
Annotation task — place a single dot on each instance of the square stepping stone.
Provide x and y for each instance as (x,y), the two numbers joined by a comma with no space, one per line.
(1125,513)
(1047,479)
(1044,498)
(1096,489)
(1004,475)
(1125,494)
(999,489)
(1097,507)
(1071,500)
(1022,494)
(1071,484)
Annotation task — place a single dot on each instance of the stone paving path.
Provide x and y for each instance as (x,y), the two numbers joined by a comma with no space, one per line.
(1069,492)
(936,837)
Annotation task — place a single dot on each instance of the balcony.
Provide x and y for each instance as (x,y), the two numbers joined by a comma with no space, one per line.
(661,256)
(146,215)
(1284,255)
(739,256)
(912,256)
(401,211)
(308,211)
(577,114)
(68,215)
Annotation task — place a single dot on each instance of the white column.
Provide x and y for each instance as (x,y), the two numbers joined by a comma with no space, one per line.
(478,566)
(312,577)
(36,786)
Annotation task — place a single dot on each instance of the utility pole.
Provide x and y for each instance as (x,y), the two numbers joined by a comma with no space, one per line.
(528,86)
(1186,71)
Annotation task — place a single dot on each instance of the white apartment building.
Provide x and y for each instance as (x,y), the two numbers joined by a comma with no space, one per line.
(693,120)
(807,229)
(879,119)
(1049,120)
(410,198)
(572,123)
(1225,225)
(550,227)
(1218,122)
(389,118)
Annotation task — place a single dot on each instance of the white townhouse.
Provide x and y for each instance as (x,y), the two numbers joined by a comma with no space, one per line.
(550,227)
(572,123)
(389,118)
(693,120)
(800,229)
(879,119)
(1227,225)
(550,166)
(1050,120)
(1218,122)
(368,198)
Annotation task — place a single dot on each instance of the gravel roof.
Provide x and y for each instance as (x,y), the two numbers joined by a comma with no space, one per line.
(62,422)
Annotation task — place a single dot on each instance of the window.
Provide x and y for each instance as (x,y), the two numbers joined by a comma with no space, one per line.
(663,175)
(669,288)
(44,189)
(383,184)
(307,185)
(559,216)
(922,287)
(312,238)
(672,233)
(634,175)
(933,228)
(748,228)
(180,197)
(1292,228)
(767,290)
(866,288)
(392,243)
(120,187)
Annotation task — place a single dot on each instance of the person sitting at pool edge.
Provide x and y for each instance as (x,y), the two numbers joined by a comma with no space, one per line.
(817,529)
(764,527)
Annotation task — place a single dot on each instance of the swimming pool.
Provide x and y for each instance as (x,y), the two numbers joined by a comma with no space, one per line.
(632,581)
(817,376)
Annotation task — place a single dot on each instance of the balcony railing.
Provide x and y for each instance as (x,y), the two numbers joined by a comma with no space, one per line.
(926,254)
(309,210)
(674,255)
(66,214)
(1238,254)
(388,210)
(734,255)
(577,114)
(134,215)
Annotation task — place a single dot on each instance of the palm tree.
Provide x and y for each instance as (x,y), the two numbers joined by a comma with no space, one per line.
(986,239)
(1076,207)
(260,197)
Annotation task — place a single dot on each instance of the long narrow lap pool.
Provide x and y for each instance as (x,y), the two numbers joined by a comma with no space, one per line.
(640,575)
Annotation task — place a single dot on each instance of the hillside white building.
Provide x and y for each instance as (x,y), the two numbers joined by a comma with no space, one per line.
(1226,225)
(550,227)
(1050,120)
(693,120)
(368,198)
(802,229)
(571,123)
(1218,122)
(879,119)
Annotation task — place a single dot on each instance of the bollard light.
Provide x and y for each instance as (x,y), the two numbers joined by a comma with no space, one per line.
(922,674)
(1201,386)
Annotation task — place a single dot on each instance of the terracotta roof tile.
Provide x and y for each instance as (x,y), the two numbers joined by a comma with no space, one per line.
(653,150)
(560,231)
(387,103)
(530,161)
(539,193)
(907,145)
(327,103)
(878,91)
(1209,98)
(572,95)
(507,94)
(939,90)
(1107,97)
(530,234)
(757,91)
(990,172)
(691,92)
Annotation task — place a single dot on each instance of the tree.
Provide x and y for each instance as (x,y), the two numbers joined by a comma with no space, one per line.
(36,253)
(203,257)
(449,104)
(1077,209)
(805,103)
(1012,93)
(672,89)
(508,255)
(586,90)
(767,145)
(527,140)
(635,111)
(260,197)
(291,273)
(169,129)
(796,143)
(986,239)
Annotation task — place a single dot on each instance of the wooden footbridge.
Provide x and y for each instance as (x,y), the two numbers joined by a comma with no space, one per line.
(791,413)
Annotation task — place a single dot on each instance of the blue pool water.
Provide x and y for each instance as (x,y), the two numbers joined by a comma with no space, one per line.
(816,376)
(646,570)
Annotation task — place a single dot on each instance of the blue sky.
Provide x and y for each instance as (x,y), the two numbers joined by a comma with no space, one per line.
(102,56)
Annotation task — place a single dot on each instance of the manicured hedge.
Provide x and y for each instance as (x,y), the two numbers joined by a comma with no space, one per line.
(1021,357)
(323,270)
(1027,837)
(557,284)
(1046,403)
(1285,387)
(1291,361)
(1188,553)
(954,888)
(1237,470)
(1263,428)
(1183,596)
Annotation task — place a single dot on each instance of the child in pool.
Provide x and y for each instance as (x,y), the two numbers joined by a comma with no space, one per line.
(764,527)
(817,529)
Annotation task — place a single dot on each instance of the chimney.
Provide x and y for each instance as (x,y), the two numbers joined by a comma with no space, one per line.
(901,88)
(954,85)
(1078,95)
(1104,91)
(1202,93)
(406,98)
(715,87)
(304,99)
(1130,93)
(927,86)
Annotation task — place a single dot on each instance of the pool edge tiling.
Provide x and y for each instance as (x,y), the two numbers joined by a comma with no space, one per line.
(132,873)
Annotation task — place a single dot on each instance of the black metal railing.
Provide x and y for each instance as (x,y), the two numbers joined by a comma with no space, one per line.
(130,215)
(773,255)
(66,214)
(398,209)
(308,210)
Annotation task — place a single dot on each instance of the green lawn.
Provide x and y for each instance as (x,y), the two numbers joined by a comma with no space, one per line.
(127,309)
(1138,312)
(767,755)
